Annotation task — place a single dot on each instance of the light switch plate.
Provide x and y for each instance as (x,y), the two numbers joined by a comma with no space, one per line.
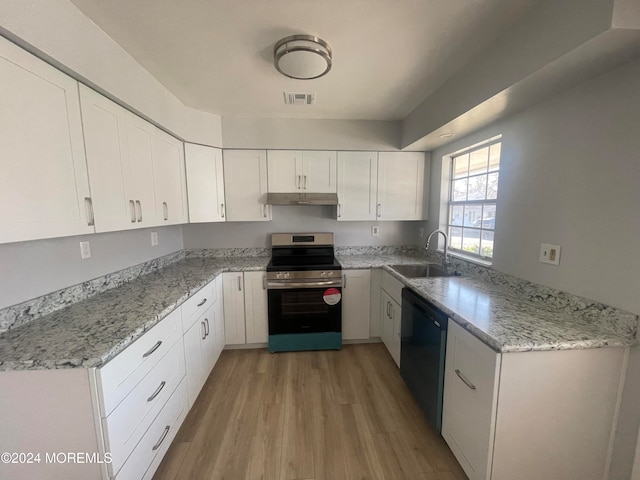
(550,254)
(154,239)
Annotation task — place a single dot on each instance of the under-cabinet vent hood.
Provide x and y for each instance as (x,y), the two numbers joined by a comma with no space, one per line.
(302,199)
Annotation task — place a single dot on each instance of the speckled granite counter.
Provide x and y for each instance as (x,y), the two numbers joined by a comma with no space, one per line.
(512,315)
(91,332)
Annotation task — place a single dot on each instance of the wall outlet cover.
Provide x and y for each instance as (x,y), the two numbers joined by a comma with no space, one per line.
(550,254)
(154,239)
(85,250)
(375,230)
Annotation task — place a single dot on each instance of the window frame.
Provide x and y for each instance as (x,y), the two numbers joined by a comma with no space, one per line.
(463,203)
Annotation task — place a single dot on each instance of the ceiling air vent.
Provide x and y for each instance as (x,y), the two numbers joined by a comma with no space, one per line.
(291,98)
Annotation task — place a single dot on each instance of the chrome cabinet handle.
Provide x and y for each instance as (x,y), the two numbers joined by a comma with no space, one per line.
(378,210)
(239,283)
(139,208)
(202,303)
(157,392)
(299,182)
(264,210)
(165,209)
(391,309)
(465,380)
(88,204)
(204,330)
(344,281)
(132,211)
(305,182)
(222,210)
(339,210)
(264,282)
(153,349)
(164,435)
(206,322)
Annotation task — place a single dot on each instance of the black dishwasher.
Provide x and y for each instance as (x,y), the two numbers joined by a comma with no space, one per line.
(423,346)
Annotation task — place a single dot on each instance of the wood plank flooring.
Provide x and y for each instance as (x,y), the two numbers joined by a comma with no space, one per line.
(326,415)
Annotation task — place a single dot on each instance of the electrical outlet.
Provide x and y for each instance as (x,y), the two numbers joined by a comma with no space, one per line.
(375,230)
(550,253)
(85,250)
(154,239)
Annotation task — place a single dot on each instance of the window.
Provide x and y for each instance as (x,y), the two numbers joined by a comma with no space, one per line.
(472,200)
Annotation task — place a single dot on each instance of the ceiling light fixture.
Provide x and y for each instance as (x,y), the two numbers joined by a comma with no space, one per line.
(302,57)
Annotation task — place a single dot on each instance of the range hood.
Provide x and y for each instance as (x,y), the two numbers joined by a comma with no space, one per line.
(302,199)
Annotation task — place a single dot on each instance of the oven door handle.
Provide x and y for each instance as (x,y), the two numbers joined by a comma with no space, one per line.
(274,284)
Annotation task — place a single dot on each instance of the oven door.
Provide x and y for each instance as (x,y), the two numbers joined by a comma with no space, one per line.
(305,307)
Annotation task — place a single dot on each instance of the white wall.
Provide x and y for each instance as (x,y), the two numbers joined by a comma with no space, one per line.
(58,31)
(32,269)
(570,175)
(298,219)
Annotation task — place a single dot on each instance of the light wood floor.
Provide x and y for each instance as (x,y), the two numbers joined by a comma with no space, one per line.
(327,415)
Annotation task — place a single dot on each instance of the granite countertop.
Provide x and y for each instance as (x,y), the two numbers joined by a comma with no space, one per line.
(513,318)
(91,332)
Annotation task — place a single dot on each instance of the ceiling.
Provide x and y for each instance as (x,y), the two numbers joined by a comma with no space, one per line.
(389,55)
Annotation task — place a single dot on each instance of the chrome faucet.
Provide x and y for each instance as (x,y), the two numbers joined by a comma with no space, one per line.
(445,260)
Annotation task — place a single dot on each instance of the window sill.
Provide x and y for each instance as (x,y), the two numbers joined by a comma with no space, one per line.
(469,258)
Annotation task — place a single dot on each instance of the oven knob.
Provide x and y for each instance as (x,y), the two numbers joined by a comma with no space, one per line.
(323,274)
(331,274)
(286,275)
(279,275)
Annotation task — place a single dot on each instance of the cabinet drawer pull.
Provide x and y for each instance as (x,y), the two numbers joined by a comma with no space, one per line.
(132,211)
(339,210)
(157,392)
(298,182)
(305,182)
(139,208)
(153,349)
(91,221)
(204,331)
(202,302)
(240,283)
(222,210)
(465,381)
(206,326)
(164,435)
(378,210)
(165,210)
(264,282)
(344,281)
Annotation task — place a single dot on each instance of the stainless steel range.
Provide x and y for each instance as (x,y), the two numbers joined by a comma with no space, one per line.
(304,283)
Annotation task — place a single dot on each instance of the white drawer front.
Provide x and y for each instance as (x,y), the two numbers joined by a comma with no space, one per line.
(392,286)
(146,457)
(118,377)
(197,304)
(126,425)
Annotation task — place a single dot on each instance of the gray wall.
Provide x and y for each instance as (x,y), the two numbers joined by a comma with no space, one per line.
(32,269)
(298,219)
(570,176)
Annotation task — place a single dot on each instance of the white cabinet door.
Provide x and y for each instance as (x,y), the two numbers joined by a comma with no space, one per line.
(205,183)
(390,315)
(219,318)
(139,177)
(44,187)
(255,304)
(169,179)
(209,344)
(355,304)
(469,405)
(401,185)
(245,185)
(233,293)
(357,185)
(319,171)
(285,171)
(193,360)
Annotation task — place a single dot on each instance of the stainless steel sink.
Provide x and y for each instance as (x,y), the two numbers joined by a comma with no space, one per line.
(421,271)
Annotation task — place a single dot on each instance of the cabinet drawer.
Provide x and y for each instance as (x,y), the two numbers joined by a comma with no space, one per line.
(118,377)
(197,304)
(132,417)
(392,286)
(146,457)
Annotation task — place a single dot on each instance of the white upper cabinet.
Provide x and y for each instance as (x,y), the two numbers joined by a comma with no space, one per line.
(302,171)
(44,187)
(245,185)
(357,185)
(401,179)
(170,179)
(205,183)
(120,160)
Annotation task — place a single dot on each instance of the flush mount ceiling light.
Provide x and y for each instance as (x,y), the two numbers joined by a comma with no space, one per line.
(302,57)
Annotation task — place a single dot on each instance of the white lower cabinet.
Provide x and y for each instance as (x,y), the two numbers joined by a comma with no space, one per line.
(245,307)
(530,415)
(391,314)
(355,304)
